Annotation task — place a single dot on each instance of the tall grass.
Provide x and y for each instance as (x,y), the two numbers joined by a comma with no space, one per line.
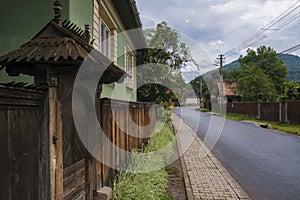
(151,185)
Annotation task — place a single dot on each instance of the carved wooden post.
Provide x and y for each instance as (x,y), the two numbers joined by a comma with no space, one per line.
(55,135)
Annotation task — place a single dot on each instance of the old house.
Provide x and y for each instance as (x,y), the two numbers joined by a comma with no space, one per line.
(108,20)
(42,154)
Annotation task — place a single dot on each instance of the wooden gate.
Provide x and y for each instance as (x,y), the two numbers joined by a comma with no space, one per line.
(23,170)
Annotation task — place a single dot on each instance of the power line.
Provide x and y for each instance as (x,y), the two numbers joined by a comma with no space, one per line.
(275,25)
(291,50)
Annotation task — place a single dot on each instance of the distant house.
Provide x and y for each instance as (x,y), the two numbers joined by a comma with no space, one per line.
(107,19)
(229,90)
(190,98)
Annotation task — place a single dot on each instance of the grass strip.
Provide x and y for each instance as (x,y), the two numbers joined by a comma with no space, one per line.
(153,184)
(284,127)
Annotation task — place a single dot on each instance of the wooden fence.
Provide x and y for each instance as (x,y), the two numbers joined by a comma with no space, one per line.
(285,111)
(127,125)
(23,169)
(31,145)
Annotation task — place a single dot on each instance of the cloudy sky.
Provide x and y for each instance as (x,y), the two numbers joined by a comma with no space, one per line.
(220,26)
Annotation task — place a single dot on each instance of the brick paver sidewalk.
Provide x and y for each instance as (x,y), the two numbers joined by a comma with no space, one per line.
(206,177)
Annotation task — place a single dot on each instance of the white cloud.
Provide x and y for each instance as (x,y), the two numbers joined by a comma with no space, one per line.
(220,25)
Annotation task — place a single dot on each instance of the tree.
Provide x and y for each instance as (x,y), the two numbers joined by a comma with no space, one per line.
(196,87)
(160,76)
(230,75)
(254,85)
(164,46)
(158,84)
(291,91)
(265,60)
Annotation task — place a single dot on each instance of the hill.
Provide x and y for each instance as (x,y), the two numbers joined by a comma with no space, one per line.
(291,61)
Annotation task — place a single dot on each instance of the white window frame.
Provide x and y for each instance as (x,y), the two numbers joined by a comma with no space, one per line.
(104,38)
(128,54)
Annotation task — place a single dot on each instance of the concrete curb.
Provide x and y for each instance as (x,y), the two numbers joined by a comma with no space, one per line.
(187,183)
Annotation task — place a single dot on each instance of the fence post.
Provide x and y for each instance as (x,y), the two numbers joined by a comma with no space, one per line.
(259,110)
(286,112)
(280,111)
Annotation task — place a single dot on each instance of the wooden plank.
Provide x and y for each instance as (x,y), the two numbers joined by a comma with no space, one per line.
(59,152)
(106,152)
(52,134)
(122,138)
(23,152)
(33,127)
(68,171)
(139,131)
(44,169)
(116,138)
(4,154)
(76,193)
(74,180)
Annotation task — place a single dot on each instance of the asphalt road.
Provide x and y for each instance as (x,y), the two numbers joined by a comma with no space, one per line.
(265,163)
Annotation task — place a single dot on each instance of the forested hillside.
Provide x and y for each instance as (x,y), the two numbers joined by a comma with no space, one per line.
(291,61)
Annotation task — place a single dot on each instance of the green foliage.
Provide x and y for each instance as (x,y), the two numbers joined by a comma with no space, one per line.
(287,128)
(291,61)
(164,46)
(141,186)
(196,86)
(158,84)
(203,110)
(230,75)
(291,91)
(254,85)
(165,49)
(150,185)
(261,76)
(267,60)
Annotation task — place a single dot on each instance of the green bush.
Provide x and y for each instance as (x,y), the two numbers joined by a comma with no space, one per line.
(150,185)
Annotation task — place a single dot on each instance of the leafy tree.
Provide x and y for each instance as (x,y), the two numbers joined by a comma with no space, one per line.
(158,84)
(165,49)
(291,91)
(164,46)
(254,85)
(230,75)
(196,86)
(265,60)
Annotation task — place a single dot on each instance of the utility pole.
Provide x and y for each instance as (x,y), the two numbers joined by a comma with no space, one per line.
(221,58)
(221,92)
(200,96)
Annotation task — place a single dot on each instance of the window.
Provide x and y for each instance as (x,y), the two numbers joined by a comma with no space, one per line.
(129,66)
(104,38)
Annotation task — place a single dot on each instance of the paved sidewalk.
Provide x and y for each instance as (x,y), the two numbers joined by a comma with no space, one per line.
(205,177)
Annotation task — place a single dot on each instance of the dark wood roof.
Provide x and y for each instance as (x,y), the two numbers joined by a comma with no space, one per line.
(60,44)
(40,50)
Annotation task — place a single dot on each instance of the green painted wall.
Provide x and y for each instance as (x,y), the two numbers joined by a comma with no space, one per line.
(81,12)
(118,91)
(19,22)
(124,93)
